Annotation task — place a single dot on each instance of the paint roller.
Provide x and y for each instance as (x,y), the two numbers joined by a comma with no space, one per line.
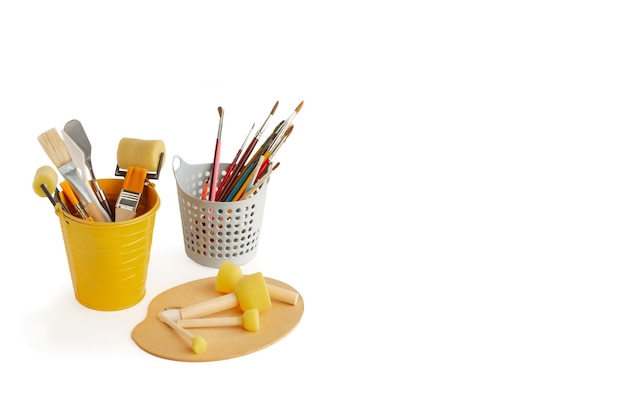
(137,161)
(144,153)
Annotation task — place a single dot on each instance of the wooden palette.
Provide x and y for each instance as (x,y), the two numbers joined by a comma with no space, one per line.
(158,339)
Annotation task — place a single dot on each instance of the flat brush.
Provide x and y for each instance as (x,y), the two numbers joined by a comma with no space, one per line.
(128,200)
(55,148)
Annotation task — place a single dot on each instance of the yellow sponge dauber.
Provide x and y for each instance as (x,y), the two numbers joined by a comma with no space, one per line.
(249,320)
(252,292)
(47,176)
(229,274)
(227,277)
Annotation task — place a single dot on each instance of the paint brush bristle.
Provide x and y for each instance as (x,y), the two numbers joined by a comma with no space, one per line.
(128,200)
(54,147)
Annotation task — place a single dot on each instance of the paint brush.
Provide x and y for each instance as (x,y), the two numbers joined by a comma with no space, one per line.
(233,163)
(55,148)
(273,151)
(249,182)
(68,192)
(128,200)
(244,170)
(210,187)
(280,137)
(242,162)
(260,181)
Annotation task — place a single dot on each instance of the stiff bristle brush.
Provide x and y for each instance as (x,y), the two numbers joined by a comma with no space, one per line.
(55,148)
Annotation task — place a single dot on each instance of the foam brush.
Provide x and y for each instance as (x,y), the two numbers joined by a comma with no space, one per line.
(46,179)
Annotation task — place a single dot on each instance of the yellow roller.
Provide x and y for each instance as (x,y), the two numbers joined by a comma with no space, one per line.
(140,153)
(47,176)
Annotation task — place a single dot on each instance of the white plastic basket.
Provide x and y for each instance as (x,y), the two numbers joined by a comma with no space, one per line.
(216,231)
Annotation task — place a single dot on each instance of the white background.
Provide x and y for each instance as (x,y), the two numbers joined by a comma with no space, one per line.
(450,204)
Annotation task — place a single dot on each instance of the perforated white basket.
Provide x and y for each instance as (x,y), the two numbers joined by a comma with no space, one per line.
(216,231)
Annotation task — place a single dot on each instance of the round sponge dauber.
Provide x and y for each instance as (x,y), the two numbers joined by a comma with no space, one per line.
(229,274)
(47,176)
(252,292)
(227,277)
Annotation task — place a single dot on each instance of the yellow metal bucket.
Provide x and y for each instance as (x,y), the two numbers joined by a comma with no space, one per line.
(108,261)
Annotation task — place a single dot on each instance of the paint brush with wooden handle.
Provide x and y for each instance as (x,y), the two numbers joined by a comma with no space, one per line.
(211,184)
(69,194)
(55,148)
(128,200)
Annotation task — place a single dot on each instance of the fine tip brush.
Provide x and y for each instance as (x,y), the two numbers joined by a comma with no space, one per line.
(234,162)
(272,150)
(238,169)
(55,148)
(210,186)
(260,181)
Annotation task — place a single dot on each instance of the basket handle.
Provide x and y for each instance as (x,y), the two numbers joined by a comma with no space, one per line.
(177,162)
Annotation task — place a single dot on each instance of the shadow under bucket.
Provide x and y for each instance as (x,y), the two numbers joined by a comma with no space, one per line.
(108,261)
